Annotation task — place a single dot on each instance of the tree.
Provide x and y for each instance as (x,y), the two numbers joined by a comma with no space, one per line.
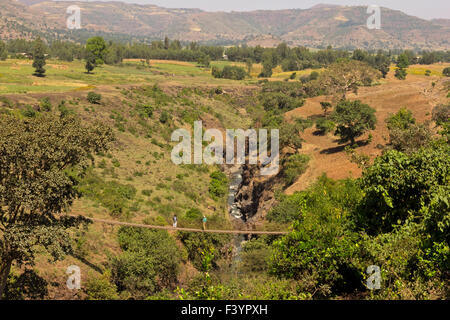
(353,119)
(94,98)
(325,106)
(446,72)
(41,162)
(90,62)
(399,186)
(204,60)
(401,120)
(3,51)
(402,65)
(268,65)
(441,114)
(382,63)
(401,73)
(39,57)
(166,43)
(346,76)
(229,72)
(95,52)
(249,65)
(404,134)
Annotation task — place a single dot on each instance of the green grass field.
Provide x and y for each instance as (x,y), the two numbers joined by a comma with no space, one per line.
(16,76)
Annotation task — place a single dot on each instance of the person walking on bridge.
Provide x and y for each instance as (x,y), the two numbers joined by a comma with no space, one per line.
(175,220)
(204,222)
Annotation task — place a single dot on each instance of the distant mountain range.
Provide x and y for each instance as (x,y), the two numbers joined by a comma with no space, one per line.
(319,26)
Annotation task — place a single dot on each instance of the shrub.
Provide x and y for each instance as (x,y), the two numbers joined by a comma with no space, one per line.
(196,243)
(145,110)
(255,256)
(441,114)
(320,249)
(398,185)
(288,209)
(149,262)
(401,73)
(218,185)
(164,117)
(112,195)
(324,126)
(280,102)
(28,112)
(193,214)
(293,167)
(94,98)
(229,72)
(46,104)
(401,120)
(446,72)
(100,288)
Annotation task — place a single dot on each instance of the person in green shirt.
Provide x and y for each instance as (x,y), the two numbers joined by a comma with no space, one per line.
(204,222)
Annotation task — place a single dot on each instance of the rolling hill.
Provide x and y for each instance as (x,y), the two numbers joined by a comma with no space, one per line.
(319,26)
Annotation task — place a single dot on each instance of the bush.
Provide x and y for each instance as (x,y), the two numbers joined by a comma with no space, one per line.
(100,288)
(94,98)
(401,120)
(293,167)
(280,102)
(324,126)
(194,214)
(111,194)
(320,250)
(441,114)
(164,117)
(398,185)
(145,110)
(196,243)
(28,112)
(401,73)
(410,139)
(149,262)
(446,72)
(254,256)
(46,105)
(229,72)
(288,209)
(218,185)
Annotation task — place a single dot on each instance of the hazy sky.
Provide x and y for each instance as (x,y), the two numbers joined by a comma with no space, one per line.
(424,9)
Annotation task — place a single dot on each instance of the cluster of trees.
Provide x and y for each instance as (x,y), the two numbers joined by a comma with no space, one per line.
(290,59)
(229,72)
(396,216)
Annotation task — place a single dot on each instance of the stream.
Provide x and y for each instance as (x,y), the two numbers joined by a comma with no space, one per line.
(235,211)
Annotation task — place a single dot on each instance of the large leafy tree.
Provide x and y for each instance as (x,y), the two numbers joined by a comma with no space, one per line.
(39,50)
(402,65)
(346,76)
(41,162)
(353,119)
(399,186)
(96,51)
